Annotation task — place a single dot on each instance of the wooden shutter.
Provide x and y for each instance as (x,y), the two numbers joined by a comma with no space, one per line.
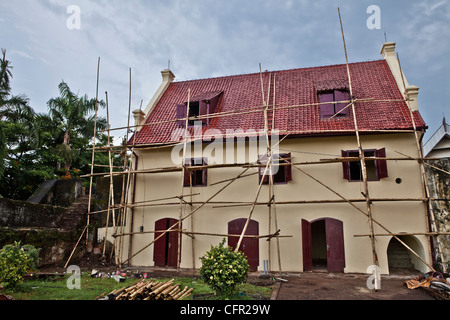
(345,165)
(340,95)
(381,165)
(181,114)
(288,168)
(307,246)
(203,111)
(187,174)
(326,110)
(205,172)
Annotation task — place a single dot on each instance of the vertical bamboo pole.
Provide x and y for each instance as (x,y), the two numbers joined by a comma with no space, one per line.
(124,197)
(361,153)
(93,153)
(425,188)
(183,167)
(111,184)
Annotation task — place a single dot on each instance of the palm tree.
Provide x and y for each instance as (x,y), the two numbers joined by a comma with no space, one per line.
(73,117)
(14,109)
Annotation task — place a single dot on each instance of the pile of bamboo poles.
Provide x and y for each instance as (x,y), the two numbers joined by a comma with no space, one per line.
(151,290)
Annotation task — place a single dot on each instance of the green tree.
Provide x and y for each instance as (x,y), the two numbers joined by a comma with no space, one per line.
(75,121)
(13,108)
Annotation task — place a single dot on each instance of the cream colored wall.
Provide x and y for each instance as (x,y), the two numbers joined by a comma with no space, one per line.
(396,216)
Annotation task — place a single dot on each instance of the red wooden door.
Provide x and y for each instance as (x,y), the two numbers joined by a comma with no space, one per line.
(307,246)
(249,246)
(165,251)
(334,233)
(334,230)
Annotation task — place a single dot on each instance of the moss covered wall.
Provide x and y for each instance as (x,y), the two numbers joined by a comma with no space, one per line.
(439,186)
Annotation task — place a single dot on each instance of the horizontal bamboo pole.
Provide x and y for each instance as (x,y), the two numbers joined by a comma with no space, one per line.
(253,165)
(404,234)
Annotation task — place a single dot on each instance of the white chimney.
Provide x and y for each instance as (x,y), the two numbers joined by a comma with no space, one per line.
(167,78)
(408,91)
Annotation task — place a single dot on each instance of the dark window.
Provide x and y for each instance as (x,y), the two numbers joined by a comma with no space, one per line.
(281,173)
(335,107)
(200,106)
(199,176)
(376,169)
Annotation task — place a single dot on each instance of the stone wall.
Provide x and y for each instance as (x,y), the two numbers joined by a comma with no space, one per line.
(439,186)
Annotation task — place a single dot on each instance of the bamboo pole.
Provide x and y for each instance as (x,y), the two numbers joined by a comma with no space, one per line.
(425,189)
(364,213)
(111,184)
(405,234)
(93,151)
(183,166)
(361,152)
(192,212)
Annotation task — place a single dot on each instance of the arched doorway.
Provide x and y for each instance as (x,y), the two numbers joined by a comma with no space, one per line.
(323,245)
(165,250)
(402,259)
(249,246)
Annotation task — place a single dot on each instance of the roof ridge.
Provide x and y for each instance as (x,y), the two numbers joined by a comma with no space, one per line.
(281,70)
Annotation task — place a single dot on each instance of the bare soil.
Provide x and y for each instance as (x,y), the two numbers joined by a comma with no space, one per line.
(340,286)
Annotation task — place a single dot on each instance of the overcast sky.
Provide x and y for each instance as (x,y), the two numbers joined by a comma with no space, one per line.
(208,38)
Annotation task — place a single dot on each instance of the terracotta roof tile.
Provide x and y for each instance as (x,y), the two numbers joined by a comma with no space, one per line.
(242,93)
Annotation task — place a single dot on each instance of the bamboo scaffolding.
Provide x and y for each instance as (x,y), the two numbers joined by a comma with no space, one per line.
(364,213)
(111,184)
(268,168)
(405,234)
(93,150)
(361,153)
(192,212)
(425,189)
(183,166)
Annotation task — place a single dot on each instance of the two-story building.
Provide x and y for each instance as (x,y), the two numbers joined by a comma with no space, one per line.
(199,157)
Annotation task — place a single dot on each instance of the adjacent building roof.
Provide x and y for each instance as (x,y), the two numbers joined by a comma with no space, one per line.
(437,142)
(242,94)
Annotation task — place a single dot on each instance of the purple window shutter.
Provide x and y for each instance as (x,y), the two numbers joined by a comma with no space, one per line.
(181,114)
(203,111)
(345,165)
(187,174)
(342,96)
(288,168)
(381,165)
(205,173)
(326,110)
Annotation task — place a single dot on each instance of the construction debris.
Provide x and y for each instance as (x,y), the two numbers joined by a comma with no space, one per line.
(435,284)
(149,290)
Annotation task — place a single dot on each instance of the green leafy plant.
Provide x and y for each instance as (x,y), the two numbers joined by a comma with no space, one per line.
(223,269)
(15,262)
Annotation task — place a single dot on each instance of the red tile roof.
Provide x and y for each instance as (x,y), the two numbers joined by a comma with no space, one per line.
(243,93)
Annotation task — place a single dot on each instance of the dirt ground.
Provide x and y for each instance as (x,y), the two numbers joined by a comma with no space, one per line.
(340,286)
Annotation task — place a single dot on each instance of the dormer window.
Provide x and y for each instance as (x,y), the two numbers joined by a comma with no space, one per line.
(200,105)
(338,99)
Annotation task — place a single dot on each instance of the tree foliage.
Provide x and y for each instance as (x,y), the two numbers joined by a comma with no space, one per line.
(223,269)
(35,147)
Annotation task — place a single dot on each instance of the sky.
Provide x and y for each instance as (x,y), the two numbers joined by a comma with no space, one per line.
(48,41)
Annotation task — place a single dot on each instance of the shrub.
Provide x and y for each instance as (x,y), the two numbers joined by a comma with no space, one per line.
(15,261)
(223,269)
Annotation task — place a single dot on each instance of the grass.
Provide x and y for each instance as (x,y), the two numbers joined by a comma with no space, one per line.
(56,289)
